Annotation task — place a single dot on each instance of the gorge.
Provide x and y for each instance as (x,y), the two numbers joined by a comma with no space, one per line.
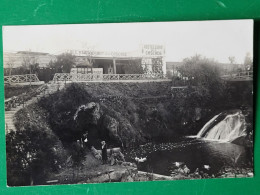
(147,120)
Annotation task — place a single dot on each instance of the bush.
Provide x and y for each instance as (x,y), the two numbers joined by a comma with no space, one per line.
(33,150)
(11,91)
(204,74)
(31,157)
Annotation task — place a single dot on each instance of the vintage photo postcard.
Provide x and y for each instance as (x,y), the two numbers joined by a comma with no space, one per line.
(124,102)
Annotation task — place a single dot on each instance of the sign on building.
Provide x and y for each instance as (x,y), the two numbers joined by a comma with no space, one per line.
(83,71)
(153,58)
(153,50)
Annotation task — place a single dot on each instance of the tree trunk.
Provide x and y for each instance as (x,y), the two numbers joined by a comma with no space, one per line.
(10,72)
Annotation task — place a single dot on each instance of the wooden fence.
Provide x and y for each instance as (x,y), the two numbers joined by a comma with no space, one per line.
(26,78)
(105,77)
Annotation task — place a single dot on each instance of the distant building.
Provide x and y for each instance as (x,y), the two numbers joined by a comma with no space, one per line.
(16,59)
(151,57)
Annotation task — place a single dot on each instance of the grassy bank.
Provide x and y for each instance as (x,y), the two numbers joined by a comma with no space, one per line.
(11,91)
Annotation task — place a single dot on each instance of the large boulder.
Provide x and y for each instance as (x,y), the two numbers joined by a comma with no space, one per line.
(89,113)
(122,174)
(241,140)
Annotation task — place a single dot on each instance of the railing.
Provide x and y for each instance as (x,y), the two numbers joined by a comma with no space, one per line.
(105,77)
(246,75)
(26,78)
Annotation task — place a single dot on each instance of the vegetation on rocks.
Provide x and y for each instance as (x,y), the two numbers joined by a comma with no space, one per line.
(119,119)
(128,114)
(33,150)
(49,133)
(11,91)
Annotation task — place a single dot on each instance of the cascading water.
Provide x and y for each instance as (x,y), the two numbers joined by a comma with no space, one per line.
(224,127)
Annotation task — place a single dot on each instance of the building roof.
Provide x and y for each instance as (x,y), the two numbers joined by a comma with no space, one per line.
(32,53)
(17,58)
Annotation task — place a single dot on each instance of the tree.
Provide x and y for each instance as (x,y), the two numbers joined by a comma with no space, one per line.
(205,92)
(232,62)
(64,62)
(31,155)
(10,65)
(248,62)
(30,63)
(232,59)
(90,48)
(204,75)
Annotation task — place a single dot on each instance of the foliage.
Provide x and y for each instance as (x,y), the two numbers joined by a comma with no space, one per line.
(10,65)
(138,111)
(204,74)
(204,96)
(134,67)
(61,107)
(126,118)
(11,91)
(232,59)
(78,155)
(64,62)
(28,158)
(248,62)
(33,151)
(30,63)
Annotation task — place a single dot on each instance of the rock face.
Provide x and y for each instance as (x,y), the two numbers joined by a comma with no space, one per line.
(96,153)
(124,174)
(111,125)
(126,114)
(101,125)
(127,174)
(197,114)
(242,140)
(91,110)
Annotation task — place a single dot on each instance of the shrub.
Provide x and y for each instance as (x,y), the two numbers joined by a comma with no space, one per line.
(31,156)
(33,150)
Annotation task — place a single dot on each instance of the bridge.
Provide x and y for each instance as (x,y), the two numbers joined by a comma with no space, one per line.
(25,79)
(240,76)
(32,79)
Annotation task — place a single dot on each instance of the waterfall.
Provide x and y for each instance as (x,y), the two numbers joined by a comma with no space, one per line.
(226,126)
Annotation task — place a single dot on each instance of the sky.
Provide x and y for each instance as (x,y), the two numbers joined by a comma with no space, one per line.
(212,39)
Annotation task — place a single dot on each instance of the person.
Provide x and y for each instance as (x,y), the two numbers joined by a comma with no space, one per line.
(84,140)
(104,152)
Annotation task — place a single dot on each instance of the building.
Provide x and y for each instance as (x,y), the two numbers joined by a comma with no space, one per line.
(17,59)
(150,57)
